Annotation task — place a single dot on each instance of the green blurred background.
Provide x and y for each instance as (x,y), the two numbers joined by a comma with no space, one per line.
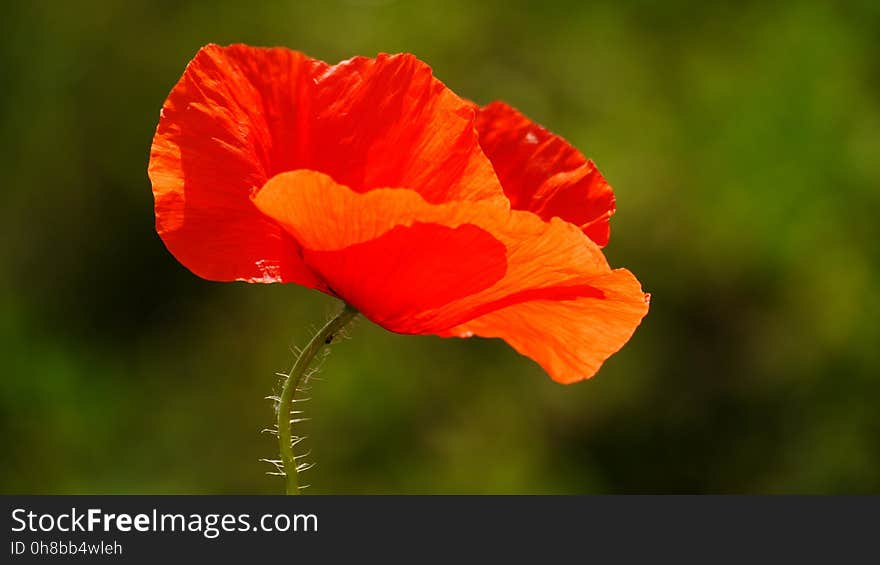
(743,144)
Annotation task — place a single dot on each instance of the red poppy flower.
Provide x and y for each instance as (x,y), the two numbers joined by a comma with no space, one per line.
(373,182)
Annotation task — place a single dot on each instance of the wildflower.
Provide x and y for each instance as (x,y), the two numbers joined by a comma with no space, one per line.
(372,182)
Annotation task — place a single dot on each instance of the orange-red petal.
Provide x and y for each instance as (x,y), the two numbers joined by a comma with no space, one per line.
(570,339)
(227,126)
(387,122)
(448,269)
(543,173)
(240,115)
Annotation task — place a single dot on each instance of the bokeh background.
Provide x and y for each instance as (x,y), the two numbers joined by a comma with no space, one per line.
(742,142)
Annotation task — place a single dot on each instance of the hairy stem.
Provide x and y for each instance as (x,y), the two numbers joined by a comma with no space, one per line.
(285,419)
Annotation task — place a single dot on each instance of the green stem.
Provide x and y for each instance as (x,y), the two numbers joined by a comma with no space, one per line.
(285,427)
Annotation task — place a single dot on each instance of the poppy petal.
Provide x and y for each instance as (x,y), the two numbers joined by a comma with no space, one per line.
(570,339)
(543,173)
(387,122)
(416,267)
(223,131)
(240,115)
(387,252)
